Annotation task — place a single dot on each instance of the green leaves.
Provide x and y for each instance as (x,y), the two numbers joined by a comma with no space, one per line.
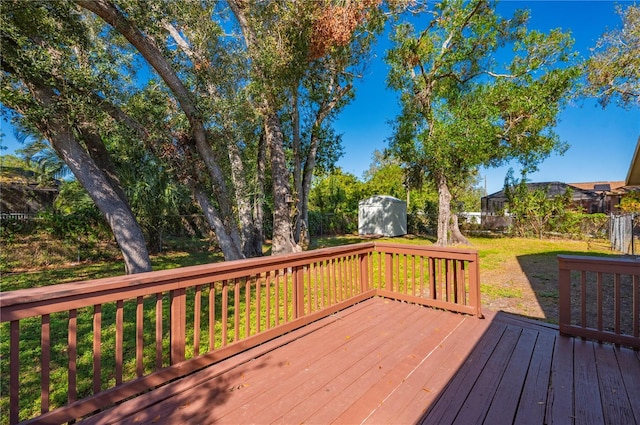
(613,70)
(467,102)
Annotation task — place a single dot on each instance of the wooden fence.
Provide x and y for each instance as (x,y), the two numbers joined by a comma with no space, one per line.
(600,298)
(77,348)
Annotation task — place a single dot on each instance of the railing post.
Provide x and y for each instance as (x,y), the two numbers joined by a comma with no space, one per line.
(564,295)
(178,324)
(474,285)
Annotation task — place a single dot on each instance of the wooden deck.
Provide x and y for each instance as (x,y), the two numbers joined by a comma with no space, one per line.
(384,361)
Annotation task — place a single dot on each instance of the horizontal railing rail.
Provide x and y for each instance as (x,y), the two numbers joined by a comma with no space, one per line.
(95,343)
(599,298)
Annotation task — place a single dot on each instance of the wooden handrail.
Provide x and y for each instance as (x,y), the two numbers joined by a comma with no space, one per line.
(154,327)
(589,287)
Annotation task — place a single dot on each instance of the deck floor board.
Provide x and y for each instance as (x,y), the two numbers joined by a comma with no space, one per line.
(385,361)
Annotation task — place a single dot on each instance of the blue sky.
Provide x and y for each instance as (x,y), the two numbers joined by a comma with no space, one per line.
(601,142)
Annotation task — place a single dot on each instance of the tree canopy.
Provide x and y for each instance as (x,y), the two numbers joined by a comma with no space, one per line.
(221,98)
(476,89)
(613,70)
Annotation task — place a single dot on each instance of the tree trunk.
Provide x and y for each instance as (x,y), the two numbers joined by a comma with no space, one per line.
(110,200)
(456,236)
(248,231)
(258,199)
(297,165)
(283,241)
(230,247)
(147,47)
(444,211)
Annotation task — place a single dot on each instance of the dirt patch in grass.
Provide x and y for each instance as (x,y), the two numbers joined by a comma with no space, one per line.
(520,276)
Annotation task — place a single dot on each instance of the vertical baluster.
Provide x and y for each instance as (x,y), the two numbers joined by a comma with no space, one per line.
(267,288)
(14,372)
(97,348)
(309,287)
(247,305)
(197,311)
(45,363)
(340,279)
(258,302)
(350,265)
(365,281)
(334,279)
(599,300)
(381,284)
(432,278)
(636,305)
(315,286)
(277,276)
(388,272)
(225,311)
(616,288)
(421,287)
(413,275)
(178,319)
(462,282)
(406,273)
(322,282)
(159,331)
(119,339)
(236,309)
(139,336)
(212,316)
(287,278)
(583,299)
(72,352)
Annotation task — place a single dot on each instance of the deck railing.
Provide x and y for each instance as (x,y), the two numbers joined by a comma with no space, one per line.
(600,298)
(77,348)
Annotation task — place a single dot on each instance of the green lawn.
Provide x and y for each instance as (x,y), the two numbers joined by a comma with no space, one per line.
(517,275)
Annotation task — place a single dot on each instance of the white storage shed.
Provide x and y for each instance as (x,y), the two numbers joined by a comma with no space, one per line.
(382,215)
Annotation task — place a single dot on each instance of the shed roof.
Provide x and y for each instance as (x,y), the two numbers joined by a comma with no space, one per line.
(376,199)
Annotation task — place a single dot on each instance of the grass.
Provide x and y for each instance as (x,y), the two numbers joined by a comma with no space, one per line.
(518,275)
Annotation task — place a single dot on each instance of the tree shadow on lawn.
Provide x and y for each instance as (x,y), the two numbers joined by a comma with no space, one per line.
(541,271)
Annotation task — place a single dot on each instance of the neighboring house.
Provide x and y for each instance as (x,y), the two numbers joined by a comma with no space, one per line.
(610,194)
(592,197)
(25,199)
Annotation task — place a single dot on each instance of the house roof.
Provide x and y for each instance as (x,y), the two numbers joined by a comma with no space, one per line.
(607,186)
(553,189)
(633,176)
